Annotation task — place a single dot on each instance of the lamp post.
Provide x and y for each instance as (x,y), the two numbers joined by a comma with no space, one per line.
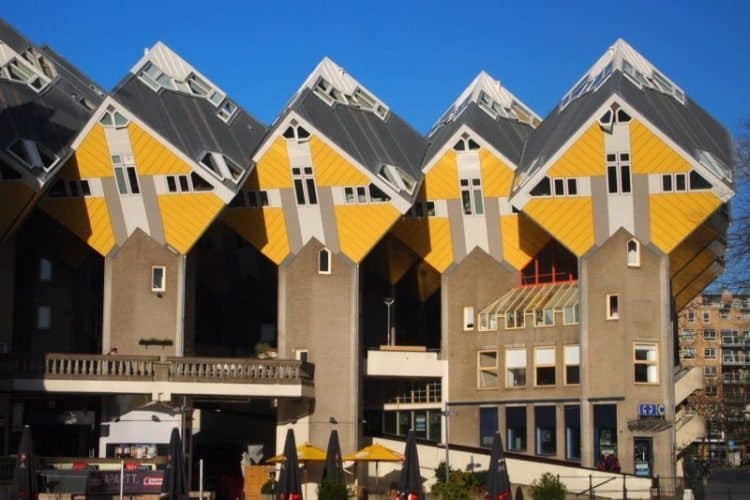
(446,414)
(390,335)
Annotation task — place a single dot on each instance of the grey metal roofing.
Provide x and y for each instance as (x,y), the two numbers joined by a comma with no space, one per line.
(504,134)
(53,117)
(368,139)
(191,124)
(688,125)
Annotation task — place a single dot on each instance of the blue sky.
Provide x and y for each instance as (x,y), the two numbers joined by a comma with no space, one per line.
(416,56)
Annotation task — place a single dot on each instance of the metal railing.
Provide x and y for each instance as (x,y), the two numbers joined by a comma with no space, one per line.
(154,368)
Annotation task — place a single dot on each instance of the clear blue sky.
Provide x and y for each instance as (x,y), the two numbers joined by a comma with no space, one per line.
(416,56)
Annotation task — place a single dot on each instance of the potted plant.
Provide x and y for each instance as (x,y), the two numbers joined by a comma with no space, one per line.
(262,349)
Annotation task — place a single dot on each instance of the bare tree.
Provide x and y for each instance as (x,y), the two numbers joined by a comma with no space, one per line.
(737,274)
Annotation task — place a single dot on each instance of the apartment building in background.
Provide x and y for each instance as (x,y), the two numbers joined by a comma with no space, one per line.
(507,272)
(714,336)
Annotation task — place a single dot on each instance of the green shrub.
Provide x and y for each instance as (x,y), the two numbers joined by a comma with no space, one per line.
(332,490)
(548,487)
(461,485)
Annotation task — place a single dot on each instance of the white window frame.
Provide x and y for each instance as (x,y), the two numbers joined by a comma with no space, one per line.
(162,287)
(635,261)
(709,371)
(473,190)
(33,151)
(691,316)
(515,366)
(613,313)
(542,364)
(566,183)
(706,354)
(619,164)
(305,175)
(329,261)
(575,352)
(490,369)
(468,318)
(652,347)
(487,322)
(687,353)
(710,337)
(706,316)
(576,314)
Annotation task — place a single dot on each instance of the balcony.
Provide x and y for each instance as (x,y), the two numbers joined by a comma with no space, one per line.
(736,379)
(736,360)
(735,342)
(86,373)
(404,361)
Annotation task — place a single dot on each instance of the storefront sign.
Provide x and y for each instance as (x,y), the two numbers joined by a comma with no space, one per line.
(135,482)
(651,410)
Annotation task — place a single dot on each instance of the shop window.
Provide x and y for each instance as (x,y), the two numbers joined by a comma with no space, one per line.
(546,430)
(544,365)
(515,424)
(645,364)
(613,306)
(487,426)
(515,367)
(573,433)
(572,354)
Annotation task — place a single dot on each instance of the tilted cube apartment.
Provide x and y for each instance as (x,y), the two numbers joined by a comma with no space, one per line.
(520,273)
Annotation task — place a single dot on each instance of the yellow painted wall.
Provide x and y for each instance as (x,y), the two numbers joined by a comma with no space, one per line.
(264,228)
(497,177)
(694,289)
(441,181)
(91,159)
(522,239)
(152,157)
(692,245)
(14,195)
(186,217)
(584,158)
(273,168)
(694,269)
(331,169)
(430,238)
(360,227)
(651,154)
(87,218)
(569,220)
(674,216)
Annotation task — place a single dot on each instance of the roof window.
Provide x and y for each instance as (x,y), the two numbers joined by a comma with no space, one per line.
(397,178)
(32,154)
(18,70)
(222,166)
(359,98)
(227,110)
(41,63)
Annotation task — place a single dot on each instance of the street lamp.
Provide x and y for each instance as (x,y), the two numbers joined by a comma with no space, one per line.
(389,333)
(446,414)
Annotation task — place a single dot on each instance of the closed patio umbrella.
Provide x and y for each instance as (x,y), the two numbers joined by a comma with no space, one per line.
(334,467)
(289,487)
(24,475)
(174,484)
(498,482)
(411,481)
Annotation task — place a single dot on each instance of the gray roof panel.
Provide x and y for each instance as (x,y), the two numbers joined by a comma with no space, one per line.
(190,123)
(367,138)
(505,135)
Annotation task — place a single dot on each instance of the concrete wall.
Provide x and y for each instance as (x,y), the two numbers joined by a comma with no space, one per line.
(607,345)
(132,311)
(319,313)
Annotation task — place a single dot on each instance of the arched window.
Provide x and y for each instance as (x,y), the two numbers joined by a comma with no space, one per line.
(324,261)
(634,253)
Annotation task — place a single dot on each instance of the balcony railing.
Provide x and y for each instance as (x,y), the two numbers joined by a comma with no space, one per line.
(729,379)
(154,368)
(736,361)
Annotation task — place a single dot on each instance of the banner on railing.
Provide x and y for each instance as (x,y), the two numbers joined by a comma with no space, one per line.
(135,482)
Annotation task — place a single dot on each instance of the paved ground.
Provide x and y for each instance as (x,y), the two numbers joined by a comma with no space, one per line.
(729,483)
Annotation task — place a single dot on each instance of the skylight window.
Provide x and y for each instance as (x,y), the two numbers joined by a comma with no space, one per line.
(227,110)
(222,166)
(20,71)
(397,178)
(32,154)
(41,63)
(359,98)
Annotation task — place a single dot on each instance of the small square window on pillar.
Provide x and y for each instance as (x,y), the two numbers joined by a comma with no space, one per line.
(158,278)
